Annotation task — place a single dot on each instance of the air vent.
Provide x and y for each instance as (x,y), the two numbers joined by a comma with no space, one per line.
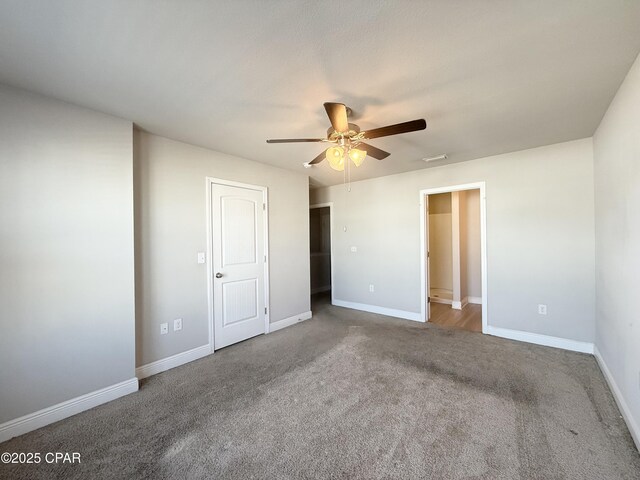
(435,159)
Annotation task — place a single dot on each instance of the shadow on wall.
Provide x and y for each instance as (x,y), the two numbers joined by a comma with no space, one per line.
(320,249)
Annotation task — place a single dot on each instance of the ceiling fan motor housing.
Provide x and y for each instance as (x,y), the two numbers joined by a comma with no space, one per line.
(334,136)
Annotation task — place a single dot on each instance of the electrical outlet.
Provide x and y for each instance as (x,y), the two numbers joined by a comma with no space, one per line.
(164,328)
(177,324)
(371,289)
(354,249)
(542,309)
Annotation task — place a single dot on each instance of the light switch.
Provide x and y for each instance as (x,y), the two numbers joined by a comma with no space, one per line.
(201,257)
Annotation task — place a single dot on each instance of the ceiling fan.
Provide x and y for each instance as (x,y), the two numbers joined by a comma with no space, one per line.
(348,139)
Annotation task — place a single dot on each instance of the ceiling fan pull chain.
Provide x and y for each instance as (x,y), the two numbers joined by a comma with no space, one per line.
(344,176)
(348,173)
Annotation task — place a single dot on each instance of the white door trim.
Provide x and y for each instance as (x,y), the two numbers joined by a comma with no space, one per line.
(210,181)
(483,244)
(330,205)
(426,261)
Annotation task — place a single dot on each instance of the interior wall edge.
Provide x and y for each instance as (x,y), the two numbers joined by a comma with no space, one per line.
(634,429)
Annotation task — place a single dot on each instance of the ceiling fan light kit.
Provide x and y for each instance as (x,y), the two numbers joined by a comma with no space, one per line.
(357,156)
(348,139)
(335,157)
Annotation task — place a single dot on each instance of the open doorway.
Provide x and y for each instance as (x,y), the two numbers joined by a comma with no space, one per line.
(321,266)
(454,257)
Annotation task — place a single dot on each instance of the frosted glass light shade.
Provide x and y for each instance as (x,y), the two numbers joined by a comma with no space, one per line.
(357,156)
(335,156)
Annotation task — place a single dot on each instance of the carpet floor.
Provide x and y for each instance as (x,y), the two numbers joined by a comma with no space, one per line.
(353,395)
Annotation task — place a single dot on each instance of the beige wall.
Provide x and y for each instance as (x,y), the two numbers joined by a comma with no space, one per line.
(617,207)
(471,222)
(440,241)
(464,260)
(540,242)
(66,252)
(170,210)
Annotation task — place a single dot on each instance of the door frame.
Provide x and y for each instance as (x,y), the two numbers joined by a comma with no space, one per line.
(210,181)
(483,245)
(330,205)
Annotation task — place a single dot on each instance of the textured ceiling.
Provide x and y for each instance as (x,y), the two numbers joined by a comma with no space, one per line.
(489,76)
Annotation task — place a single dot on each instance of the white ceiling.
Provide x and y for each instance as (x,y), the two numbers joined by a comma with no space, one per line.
(489,76)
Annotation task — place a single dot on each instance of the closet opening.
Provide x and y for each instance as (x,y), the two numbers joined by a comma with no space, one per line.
(454,257)
(321,263)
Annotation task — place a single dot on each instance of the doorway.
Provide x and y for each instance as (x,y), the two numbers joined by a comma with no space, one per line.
(454,256)
(237,267)
(320,251)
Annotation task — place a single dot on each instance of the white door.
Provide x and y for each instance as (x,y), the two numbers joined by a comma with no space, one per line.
(239,256)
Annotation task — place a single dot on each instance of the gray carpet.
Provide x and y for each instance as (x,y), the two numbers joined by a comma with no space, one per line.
(354,395)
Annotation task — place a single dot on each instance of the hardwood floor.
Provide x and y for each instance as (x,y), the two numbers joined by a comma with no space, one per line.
(469,318)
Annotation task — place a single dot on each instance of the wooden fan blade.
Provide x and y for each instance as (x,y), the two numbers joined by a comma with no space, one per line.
(318,159)
(337,113)
(405,127)
(373,151)
(295,140)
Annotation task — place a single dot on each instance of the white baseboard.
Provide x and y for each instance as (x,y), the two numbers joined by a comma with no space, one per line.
(546,340)
(287,322)
(444,301)
(460,305)
(320,289)
(475,300)
(173,361)
(617,395)
(391,312)
(52,414)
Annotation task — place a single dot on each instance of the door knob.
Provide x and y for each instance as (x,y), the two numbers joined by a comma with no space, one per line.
(218,275)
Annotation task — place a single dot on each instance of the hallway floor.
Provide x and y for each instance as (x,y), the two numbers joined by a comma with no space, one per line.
(469,318)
